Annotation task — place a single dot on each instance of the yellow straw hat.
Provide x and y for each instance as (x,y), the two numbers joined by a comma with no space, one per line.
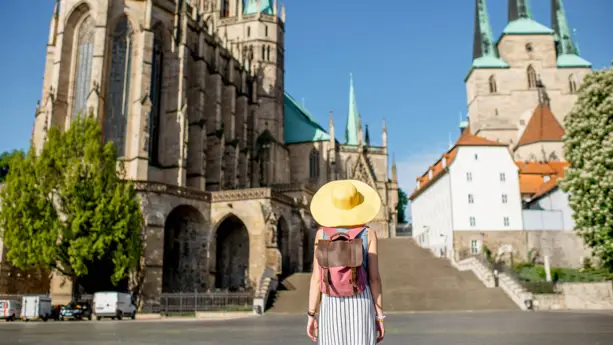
(345,203)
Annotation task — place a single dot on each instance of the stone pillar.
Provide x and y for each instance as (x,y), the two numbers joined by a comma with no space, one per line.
(230,160)
(215,134)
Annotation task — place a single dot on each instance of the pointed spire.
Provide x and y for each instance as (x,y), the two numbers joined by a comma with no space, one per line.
(519,9)
(275,8)
(331,129)
(367,137)
(351,130)
(360,133)
(566,49)
(485,54)
(384,134)
(394,170)
(283,13)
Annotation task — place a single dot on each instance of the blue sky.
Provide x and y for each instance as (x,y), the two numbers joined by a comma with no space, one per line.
(408,59)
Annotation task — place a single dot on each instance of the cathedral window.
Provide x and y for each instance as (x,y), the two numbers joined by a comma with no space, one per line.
(225,8)
(249,31)
(266,31)
(492,82)
(118,98)
(263,52)
(572,84)
(83,66)
(268,53)
(157,68)
(348,167)
(531,77)
(264,144)
(314,165)
(529,47)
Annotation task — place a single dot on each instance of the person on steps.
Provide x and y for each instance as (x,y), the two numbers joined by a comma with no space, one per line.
(345,284)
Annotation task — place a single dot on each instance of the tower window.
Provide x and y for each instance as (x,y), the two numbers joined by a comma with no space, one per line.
(531,77)
(314,165)
(83,66)
(572,84)
(529,47)
(225,8)
(266,31)
(249,31)
(263,52)
(492,83)
(268,53)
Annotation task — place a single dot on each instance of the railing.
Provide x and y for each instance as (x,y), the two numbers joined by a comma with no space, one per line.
(192,302)
(536,287)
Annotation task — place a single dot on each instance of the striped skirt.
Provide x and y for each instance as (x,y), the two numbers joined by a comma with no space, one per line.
(347,320)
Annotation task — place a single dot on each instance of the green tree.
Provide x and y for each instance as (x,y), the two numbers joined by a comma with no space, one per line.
(68,209)
(401,208)
(5,162)
(588,146)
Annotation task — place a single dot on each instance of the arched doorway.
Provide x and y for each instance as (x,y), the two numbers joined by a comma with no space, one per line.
(184,251)
(283,241)
(232,255)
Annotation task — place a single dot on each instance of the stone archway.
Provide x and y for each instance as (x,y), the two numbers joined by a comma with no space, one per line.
(283,242)
(232,255)
(185,266)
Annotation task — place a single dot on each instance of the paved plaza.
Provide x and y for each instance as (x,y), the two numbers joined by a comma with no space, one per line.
(482,328)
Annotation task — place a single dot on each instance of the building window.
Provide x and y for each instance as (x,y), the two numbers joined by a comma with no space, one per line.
(506,221)
(529,47)
(471,200)
(472,221)
(118,98)
(469,176)
(85,55)
(503,177)
(504,198)
(268,53)
(263,53)
(264,144)
(492,83)
(249,31)
(314,165)
(474,247)
(572,84)
(157,68)
(266,31)
(225,8)
(476,156)
(348,167)
(531,77)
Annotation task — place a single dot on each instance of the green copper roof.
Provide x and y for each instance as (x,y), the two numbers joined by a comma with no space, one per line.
(485,54)
(351,131)
(251,6)
(567,50)
(300,125)
(526,26)
(519,9)
(572,60)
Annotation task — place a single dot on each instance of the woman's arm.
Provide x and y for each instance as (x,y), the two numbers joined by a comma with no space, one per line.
(374,277)
(314,291)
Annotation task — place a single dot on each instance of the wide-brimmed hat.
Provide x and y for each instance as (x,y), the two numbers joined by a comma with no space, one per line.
(344,203)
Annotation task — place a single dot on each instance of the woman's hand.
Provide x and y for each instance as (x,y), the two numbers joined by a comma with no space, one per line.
(312,328)
(380,331)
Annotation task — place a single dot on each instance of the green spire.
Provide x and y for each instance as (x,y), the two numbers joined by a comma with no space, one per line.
(351,131)
(519,9)
(485,54)
(521,21)
(566,49)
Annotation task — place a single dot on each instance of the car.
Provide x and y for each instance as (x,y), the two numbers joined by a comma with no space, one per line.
(76,310)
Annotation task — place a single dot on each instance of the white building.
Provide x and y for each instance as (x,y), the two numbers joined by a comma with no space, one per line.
(474,187)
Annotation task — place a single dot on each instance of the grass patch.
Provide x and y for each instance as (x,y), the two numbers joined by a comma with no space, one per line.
(536,273)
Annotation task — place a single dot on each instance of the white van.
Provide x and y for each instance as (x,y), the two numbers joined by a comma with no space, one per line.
(35,307)
(113,305)
(10,309)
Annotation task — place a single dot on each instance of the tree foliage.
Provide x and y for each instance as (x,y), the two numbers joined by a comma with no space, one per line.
(588,146)
(67,207)
(401,208)
(5,162)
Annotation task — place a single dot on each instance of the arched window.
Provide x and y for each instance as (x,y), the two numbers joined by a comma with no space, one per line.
(268,53)
(118,99)
(531,77)
(492,82)
(157,68)
(266,30)
(348,167)
(83,66)
(572,84)
(263,52)
(314,165)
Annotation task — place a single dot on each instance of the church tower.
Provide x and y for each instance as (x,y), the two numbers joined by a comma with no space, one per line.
(529,59)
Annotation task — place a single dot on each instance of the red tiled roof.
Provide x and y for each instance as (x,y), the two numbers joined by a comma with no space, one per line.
(543,126)
(532,176)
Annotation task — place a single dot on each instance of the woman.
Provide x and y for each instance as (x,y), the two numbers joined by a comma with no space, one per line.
(346,206)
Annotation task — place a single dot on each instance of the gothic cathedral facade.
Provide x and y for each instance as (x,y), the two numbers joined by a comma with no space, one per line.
(225,160)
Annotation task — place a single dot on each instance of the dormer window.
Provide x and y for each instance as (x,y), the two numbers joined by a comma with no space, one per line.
(546,178)
(430,174)
(444,162)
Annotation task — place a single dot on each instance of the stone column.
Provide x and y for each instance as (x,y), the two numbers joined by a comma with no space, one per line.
(215,135)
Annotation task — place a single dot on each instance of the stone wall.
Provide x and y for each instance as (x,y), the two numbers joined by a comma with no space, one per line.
(564,248)
(578,296)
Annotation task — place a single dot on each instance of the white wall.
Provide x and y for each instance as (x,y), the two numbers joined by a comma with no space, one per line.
(554,202)
(431,212)
(486,189)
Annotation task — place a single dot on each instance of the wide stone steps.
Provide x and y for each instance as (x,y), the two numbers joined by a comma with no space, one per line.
(413,280)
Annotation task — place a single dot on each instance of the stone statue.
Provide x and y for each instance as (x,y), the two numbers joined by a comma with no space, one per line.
(271,226)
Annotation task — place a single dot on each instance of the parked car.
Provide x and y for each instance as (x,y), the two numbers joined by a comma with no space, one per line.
(115,305)
(76,310)
(35,307)
(10,309)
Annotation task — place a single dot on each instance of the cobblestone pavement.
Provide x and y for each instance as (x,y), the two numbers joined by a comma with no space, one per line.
(479,328)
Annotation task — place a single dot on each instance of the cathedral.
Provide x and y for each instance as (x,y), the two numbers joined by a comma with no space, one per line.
(520,88)
(224,159)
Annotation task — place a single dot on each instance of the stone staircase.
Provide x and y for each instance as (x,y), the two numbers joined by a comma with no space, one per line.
(413,280)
